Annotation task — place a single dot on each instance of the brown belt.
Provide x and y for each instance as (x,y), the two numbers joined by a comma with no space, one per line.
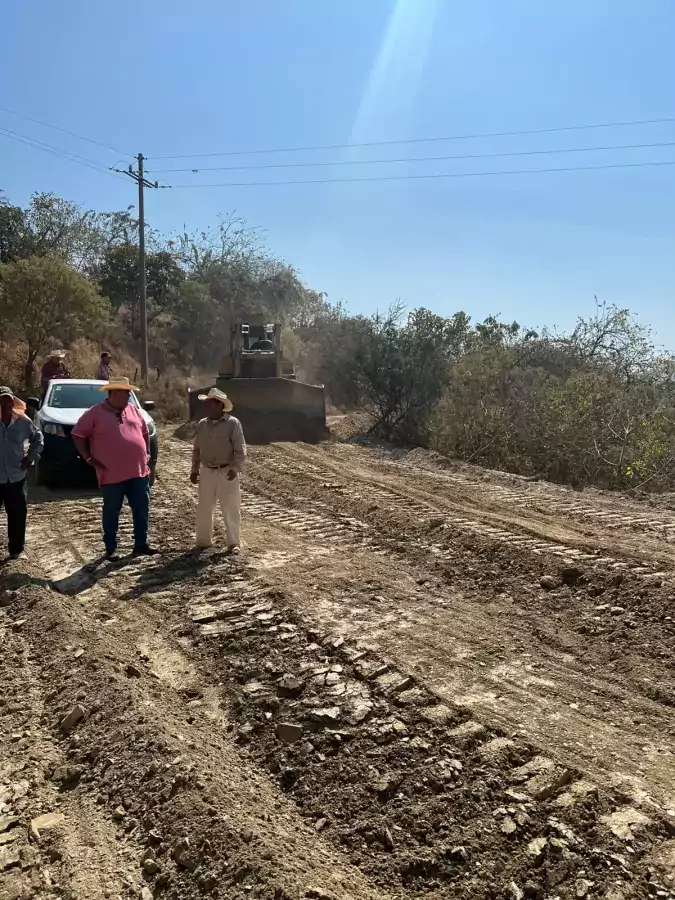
(224,466)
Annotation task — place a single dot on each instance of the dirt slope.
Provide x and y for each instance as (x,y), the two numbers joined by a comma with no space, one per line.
(415,681)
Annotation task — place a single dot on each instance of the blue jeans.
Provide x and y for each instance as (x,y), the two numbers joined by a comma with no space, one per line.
(137,492)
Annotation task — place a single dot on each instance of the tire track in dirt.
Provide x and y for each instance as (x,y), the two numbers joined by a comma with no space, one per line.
(535,535)
(414,530)
(155,743)
(614,514)
(588,715)
(424,641)
(441,802)
(607,698)
(400,815)
(495,488)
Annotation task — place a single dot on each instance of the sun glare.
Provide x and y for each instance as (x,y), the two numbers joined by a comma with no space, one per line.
(394,80)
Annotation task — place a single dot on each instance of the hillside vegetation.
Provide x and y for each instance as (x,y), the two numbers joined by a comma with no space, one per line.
(592,406)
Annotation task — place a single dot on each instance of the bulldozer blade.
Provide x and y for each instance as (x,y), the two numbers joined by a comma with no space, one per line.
(272,409)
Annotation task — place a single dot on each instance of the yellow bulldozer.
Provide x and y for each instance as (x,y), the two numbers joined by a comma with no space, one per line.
(270,402)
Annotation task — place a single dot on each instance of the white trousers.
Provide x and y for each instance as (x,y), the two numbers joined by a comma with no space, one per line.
(214,487)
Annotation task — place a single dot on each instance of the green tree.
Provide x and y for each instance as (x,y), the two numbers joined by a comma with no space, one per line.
(244,280)
(593,406)
(394,370)
(52,225)
(119,279)
(16,241)
(43,299)
(196,334)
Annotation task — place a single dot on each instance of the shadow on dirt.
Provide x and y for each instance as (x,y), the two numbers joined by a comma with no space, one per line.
(167,573)
(37,496)
(89,574)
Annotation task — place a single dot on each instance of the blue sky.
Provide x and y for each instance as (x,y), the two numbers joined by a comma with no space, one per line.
(173,78)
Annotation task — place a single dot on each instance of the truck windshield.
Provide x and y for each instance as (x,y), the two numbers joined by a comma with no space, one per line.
(77,396)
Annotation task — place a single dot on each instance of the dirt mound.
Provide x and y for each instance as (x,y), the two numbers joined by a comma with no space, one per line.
(136,787)
(349,425)
(186,431)
(425,458)
(432,460)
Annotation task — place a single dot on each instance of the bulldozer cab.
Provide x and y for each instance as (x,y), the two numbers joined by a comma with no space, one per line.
(258,338)
(255,352)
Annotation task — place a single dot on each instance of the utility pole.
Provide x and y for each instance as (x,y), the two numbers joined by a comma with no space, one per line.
(144,288)
(143,305)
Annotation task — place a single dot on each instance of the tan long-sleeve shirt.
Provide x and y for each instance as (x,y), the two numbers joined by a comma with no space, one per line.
(219,443)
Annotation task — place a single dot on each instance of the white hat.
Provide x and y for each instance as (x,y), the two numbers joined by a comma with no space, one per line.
(118,384)
(215,394)
(57,354)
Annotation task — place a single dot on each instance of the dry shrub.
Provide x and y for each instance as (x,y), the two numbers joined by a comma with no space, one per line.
(82,361)
(12,361)
(170,394)
(84,357)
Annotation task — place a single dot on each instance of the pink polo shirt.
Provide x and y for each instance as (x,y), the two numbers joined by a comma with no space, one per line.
(117,440)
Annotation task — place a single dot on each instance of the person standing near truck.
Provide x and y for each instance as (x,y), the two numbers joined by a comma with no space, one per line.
(16,431)
(104,367)
(218,455)
(113,439)
(55,367)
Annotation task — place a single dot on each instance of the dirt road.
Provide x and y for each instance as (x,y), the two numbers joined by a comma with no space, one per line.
(416,681)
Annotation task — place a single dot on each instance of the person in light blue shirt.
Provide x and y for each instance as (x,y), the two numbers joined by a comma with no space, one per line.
(20,447)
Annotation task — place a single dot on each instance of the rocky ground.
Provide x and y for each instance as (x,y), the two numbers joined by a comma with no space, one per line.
(419,679)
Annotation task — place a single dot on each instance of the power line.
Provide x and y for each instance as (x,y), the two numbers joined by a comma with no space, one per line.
(638,165)
(428,140)
(74,134)
(55,151)
(407,159)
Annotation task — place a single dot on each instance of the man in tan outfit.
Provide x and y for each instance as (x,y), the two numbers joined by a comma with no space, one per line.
(218,455)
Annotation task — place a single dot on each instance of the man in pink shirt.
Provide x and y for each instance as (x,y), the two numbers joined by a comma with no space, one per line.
(113,438)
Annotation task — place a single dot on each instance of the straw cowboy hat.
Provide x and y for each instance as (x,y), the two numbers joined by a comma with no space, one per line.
(118,384)
(57,354)
(18,404)
(215,394)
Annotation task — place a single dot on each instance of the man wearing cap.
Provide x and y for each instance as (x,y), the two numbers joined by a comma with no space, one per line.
(55,367)
(218,455)
(113,438)
(16,431)
(104,368)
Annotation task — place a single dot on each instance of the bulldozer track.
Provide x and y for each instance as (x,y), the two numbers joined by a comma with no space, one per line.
(528,495)
(344,702)
(369,493)
(348,531)
(536,498)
